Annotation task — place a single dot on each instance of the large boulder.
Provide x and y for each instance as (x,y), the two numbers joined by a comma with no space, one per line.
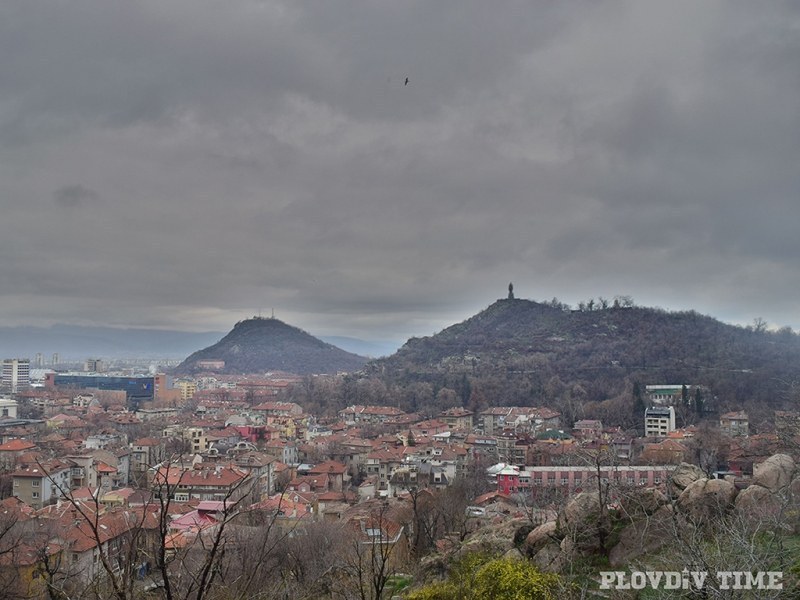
(581,508)
(495,538)
(684,475)
(706,499)
(540,537)
(642,502)
(550,558)
(584,522)
(758,503)
(775,473)
(644,535)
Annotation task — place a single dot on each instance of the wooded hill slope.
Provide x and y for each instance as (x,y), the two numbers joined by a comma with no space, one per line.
(524,352)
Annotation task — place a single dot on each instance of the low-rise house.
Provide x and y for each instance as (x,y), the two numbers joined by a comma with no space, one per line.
(282,450)
(358,414)
(89,533)
(521,419)
(278,409)
(336,472)
(428,428)
(381,464)
(457,418)
(145,453)
(40,484)
(587,429)
(259,466)
(380,535)
(203,482)
(668,452)
(734,423)
(12,450)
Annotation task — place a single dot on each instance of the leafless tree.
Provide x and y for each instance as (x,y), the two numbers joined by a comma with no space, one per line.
(373,551)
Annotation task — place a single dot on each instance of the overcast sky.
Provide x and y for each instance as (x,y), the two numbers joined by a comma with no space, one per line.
(185,164)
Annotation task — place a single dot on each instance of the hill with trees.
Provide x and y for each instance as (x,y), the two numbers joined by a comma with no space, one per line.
(590,361)
(260,345)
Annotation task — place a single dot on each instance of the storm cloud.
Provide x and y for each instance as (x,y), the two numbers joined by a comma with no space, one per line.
(186,164)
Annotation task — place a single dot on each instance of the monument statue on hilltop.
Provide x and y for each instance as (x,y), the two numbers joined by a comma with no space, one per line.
(510,291)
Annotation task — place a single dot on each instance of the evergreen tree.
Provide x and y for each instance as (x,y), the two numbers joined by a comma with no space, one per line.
(698,401)
(638,405)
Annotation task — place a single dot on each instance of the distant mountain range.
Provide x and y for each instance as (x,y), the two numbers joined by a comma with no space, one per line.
(261,345)
(76,343)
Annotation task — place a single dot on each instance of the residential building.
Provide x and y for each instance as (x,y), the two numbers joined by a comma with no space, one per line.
(8,408)
(259,466)
(382,464)
(188,389)
(11,450)
(40,484)
(357,414)
(282,450)
(204,482)
(521,419)
(146,453)
(659,421)
(16,374)
(94,365)
(734,423)
(196,438)
(587,429)
(457,418)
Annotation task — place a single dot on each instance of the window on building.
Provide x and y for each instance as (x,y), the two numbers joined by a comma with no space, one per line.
(35,483)
(34,494)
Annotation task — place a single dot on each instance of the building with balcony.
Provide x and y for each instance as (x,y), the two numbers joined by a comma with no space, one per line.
(659,421)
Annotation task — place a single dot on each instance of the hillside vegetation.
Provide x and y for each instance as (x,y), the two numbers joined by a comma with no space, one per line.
(529,353)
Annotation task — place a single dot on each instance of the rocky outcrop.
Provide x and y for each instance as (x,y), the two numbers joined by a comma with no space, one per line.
(496,538)
(683,476)
(706,499)
(757,501)
(642,502)
(538,538)
(644,535)
(775,473)
(585,522)
(549,557)
(579,511)
(638,522)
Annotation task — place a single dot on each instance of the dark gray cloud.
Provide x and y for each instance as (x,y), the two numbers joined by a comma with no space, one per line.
(74,196)
(187,164)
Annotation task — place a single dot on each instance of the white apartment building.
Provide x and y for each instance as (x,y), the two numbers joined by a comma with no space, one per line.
(659,421)
(16,374)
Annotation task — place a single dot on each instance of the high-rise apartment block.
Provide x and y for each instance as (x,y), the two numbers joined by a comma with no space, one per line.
(16,374)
